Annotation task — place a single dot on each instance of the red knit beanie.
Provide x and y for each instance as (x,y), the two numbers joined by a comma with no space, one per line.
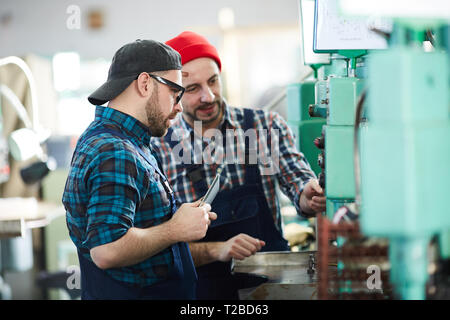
(191,46)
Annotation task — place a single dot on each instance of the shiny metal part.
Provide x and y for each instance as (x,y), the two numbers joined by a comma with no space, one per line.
(290,275)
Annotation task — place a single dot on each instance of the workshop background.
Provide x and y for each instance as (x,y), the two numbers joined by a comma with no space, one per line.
(68,47)
(367,99)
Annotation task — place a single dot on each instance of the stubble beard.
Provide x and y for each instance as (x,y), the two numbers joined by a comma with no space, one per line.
(156,120)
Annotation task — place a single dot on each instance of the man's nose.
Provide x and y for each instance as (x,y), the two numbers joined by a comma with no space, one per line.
(207,95)
(178,107)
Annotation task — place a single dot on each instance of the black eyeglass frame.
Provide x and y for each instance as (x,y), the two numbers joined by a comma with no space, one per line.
(168,83)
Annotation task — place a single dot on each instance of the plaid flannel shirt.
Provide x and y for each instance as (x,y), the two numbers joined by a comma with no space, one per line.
(111,188)
(292,170)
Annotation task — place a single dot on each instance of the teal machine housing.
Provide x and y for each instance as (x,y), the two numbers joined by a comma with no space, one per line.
(403,144)
(337,90)
(343,89)
(404,148)
(404,197)
(336,95)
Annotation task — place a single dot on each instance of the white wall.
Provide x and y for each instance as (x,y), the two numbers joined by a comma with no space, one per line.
(256,65)
(40,26)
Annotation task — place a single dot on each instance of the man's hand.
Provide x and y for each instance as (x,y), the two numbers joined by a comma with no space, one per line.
(190,222)
(312,199)
(238,247)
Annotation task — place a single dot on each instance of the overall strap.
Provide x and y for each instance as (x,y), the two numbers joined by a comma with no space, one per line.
(195,172)
(168,139)
(252,173)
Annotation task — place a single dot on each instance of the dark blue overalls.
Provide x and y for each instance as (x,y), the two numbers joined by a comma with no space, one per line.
(242,209)
(181,282)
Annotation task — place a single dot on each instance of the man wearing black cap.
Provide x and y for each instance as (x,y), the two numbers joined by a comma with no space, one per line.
(121,210)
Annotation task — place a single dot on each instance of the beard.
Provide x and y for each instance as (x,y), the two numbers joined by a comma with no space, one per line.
(213,117)
(157,122)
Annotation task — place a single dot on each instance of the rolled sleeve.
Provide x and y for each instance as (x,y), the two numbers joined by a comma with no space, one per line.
(106,223)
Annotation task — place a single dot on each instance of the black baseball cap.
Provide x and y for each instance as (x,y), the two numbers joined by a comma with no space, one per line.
(129,61)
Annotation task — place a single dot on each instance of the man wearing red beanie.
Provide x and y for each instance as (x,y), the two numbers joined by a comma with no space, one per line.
(247,205)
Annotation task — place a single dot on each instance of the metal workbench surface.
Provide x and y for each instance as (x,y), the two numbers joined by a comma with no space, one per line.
(290,275)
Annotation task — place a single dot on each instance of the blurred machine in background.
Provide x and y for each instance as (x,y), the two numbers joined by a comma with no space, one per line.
(386,151)
(405,149)
(374,122)
(337,49)
(29,200)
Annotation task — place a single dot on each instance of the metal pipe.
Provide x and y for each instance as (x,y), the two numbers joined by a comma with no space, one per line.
(29,75)
(357,166)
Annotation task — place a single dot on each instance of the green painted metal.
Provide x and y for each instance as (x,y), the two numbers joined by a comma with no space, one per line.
(299,97)
(305,128)
(343,96)
(337,68)
(339,165)
(339,173)
(409,121)
(444,244)
(443,42)
(353,55)
(320,107)
(404,159)
(318,111)
(409,263)
(309,130)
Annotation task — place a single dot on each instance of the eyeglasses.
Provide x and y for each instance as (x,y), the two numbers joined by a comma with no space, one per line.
(171,84)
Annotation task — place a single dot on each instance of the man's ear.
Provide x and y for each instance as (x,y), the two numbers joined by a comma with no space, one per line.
(144,85)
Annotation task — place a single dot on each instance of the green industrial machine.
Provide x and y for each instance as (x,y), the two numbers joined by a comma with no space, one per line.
(337,89)
(385,142)
(337,93)
(403,143)
(324,106)
(301,95)
(336,96)
(305,128)
(404,196)
(404,148)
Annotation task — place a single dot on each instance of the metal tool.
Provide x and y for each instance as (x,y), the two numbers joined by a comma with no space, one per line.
(213,189)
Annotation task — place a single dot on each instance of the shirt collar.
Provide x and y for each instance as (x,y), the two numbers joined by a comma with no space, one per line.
(132,127)
(229,119)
